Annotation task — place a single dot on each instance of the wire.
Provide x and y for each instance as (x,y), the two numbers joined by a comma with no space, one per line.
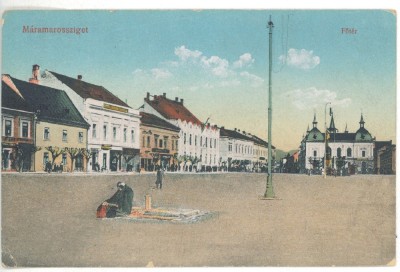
(284,49)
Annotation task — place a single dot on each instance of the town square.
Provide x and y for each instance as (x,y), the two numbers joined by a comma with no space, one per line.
(185,138)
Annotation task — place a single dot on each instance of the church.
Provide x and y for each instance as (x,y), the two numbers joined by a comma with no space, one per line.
(344,152)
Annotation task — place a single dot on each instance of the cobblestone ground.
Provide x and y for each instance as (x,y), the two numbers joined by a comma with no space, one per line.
(49,220)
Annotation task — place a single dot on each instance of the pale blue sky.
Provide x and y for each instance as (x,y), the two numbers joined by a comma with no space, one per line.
(218,62)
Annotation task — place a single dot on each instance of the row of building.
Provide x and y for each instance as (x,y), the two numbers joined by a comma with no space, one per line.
(71,125)
(342,152)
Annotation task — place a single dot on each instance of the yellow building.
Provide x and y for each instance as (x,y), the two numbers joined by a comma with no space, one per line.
(60,131)
(158,143)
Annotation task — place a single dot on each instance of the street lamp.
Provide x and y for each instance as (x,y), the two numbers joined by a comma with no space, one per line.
(326,131)
(269,192)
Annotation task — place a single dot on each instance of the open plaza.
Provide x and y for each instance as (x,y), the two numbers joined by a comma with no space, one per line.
(49,220)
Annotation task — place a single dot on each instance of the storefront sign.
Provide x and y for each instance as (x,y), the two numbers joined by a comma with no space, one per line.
(114,108)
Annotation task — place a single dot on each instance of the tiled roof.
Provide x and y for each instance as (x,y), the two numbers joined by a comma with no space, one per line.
(50,104)
(10,99)
(238,135)
(88,90)
(341,137)
(154,121)
(171,109)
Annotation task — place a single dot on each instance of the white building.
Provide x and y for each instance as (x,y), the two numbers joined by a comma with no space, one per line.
(198,142)
(113,136)
(351,152)
(236,150)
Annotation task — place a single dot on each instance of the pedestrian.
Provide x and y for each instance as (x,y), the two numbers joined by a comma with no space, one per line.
(120,204)
(48,166)
(159,180)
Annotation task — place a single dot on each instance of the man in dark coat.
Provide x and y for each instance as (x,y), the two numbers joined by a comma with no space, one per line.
(159,179)
(120,204)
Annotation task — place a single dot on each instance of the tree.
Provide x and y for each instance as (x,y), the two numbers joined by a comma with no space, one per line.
(73,153)
(87,155)
(55,153)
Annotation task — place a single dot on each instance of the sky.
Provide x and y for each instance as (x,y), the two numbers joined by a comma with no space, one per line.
(217,61)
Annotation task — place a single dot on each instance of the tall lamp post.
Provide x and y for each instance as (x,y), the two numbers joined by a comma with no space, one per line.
(326,131)
(269,192)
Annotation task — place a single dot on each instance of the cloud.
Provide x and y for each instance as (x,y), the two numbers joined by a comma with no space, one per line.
(217,65)
(185,54)
(244,60)
(302,59)
(255,81)
(158,73)
(312,98)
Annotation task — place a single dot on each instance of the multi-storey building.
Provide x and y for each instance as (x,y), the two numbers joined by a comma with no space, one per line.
(18,122)
(198,144)
(159,143)
(344,151)
(58,127)
(387,159)
(113,136)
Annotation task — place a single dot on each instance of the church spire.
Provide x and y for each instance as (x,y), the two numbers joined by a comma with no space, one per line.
(345,129)
(362,121)
(332,127)
(315,121)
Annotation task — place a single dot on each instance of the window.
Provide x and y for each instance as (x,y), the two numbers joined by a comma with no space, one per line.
(125,131)
(143,141)
(114,133)
(184,138)
(176,144)
(46,134)
(206,141)
(156,140)
(80,136)
(349,152)
(215,143)
(64,136)
(105,132)
(201,141)
(104,161)
(190,139)
(173,145)
(339,152)
(148,141)
(45,158)
(230,147)
(363,153)
(64,159)
(315,153)
(25,129)
(165,142)
(8,128)
(210,143)
(195,140)
(94,131)
(132,135)
(160,143)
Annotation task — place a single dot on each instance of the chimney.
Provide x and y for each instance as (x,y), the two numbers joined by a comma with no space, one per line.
(148,95)
(176,99)
(164,95)
(182,101)
(222,127)
(79,77)
(35,74)
(235,129)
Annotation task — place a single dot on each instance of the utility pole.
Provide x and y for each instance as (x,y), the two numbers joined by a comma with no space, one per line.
(269,192)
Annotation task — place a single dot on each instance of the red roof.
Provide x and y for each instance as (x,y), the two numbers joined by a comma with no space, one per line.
(88,90)
(172,109)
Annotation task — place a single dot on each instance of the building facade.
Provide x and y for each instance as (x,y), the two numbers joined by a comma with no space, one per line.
(198,144)
(344,152)
(159,143)
(58,129)
(387,160)
(113,136)
(18,122)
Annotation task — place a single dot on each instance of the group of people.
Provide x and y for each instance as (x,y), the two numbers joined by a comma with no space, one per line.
(120,204)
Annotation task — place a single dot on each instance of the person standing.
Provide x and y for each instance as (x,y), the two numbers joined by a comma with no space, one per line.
(160,176)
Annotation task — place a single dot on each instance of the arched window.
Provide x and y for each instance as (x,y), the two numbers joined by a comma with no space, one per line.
(349,152)
(339,152)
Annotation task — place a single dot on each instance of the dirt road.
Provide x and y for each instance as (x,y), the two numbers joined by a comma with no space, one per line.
(49,220)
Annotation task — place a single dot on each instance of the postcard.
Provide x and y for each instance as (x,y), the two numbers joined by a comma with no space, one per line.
(198,138)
